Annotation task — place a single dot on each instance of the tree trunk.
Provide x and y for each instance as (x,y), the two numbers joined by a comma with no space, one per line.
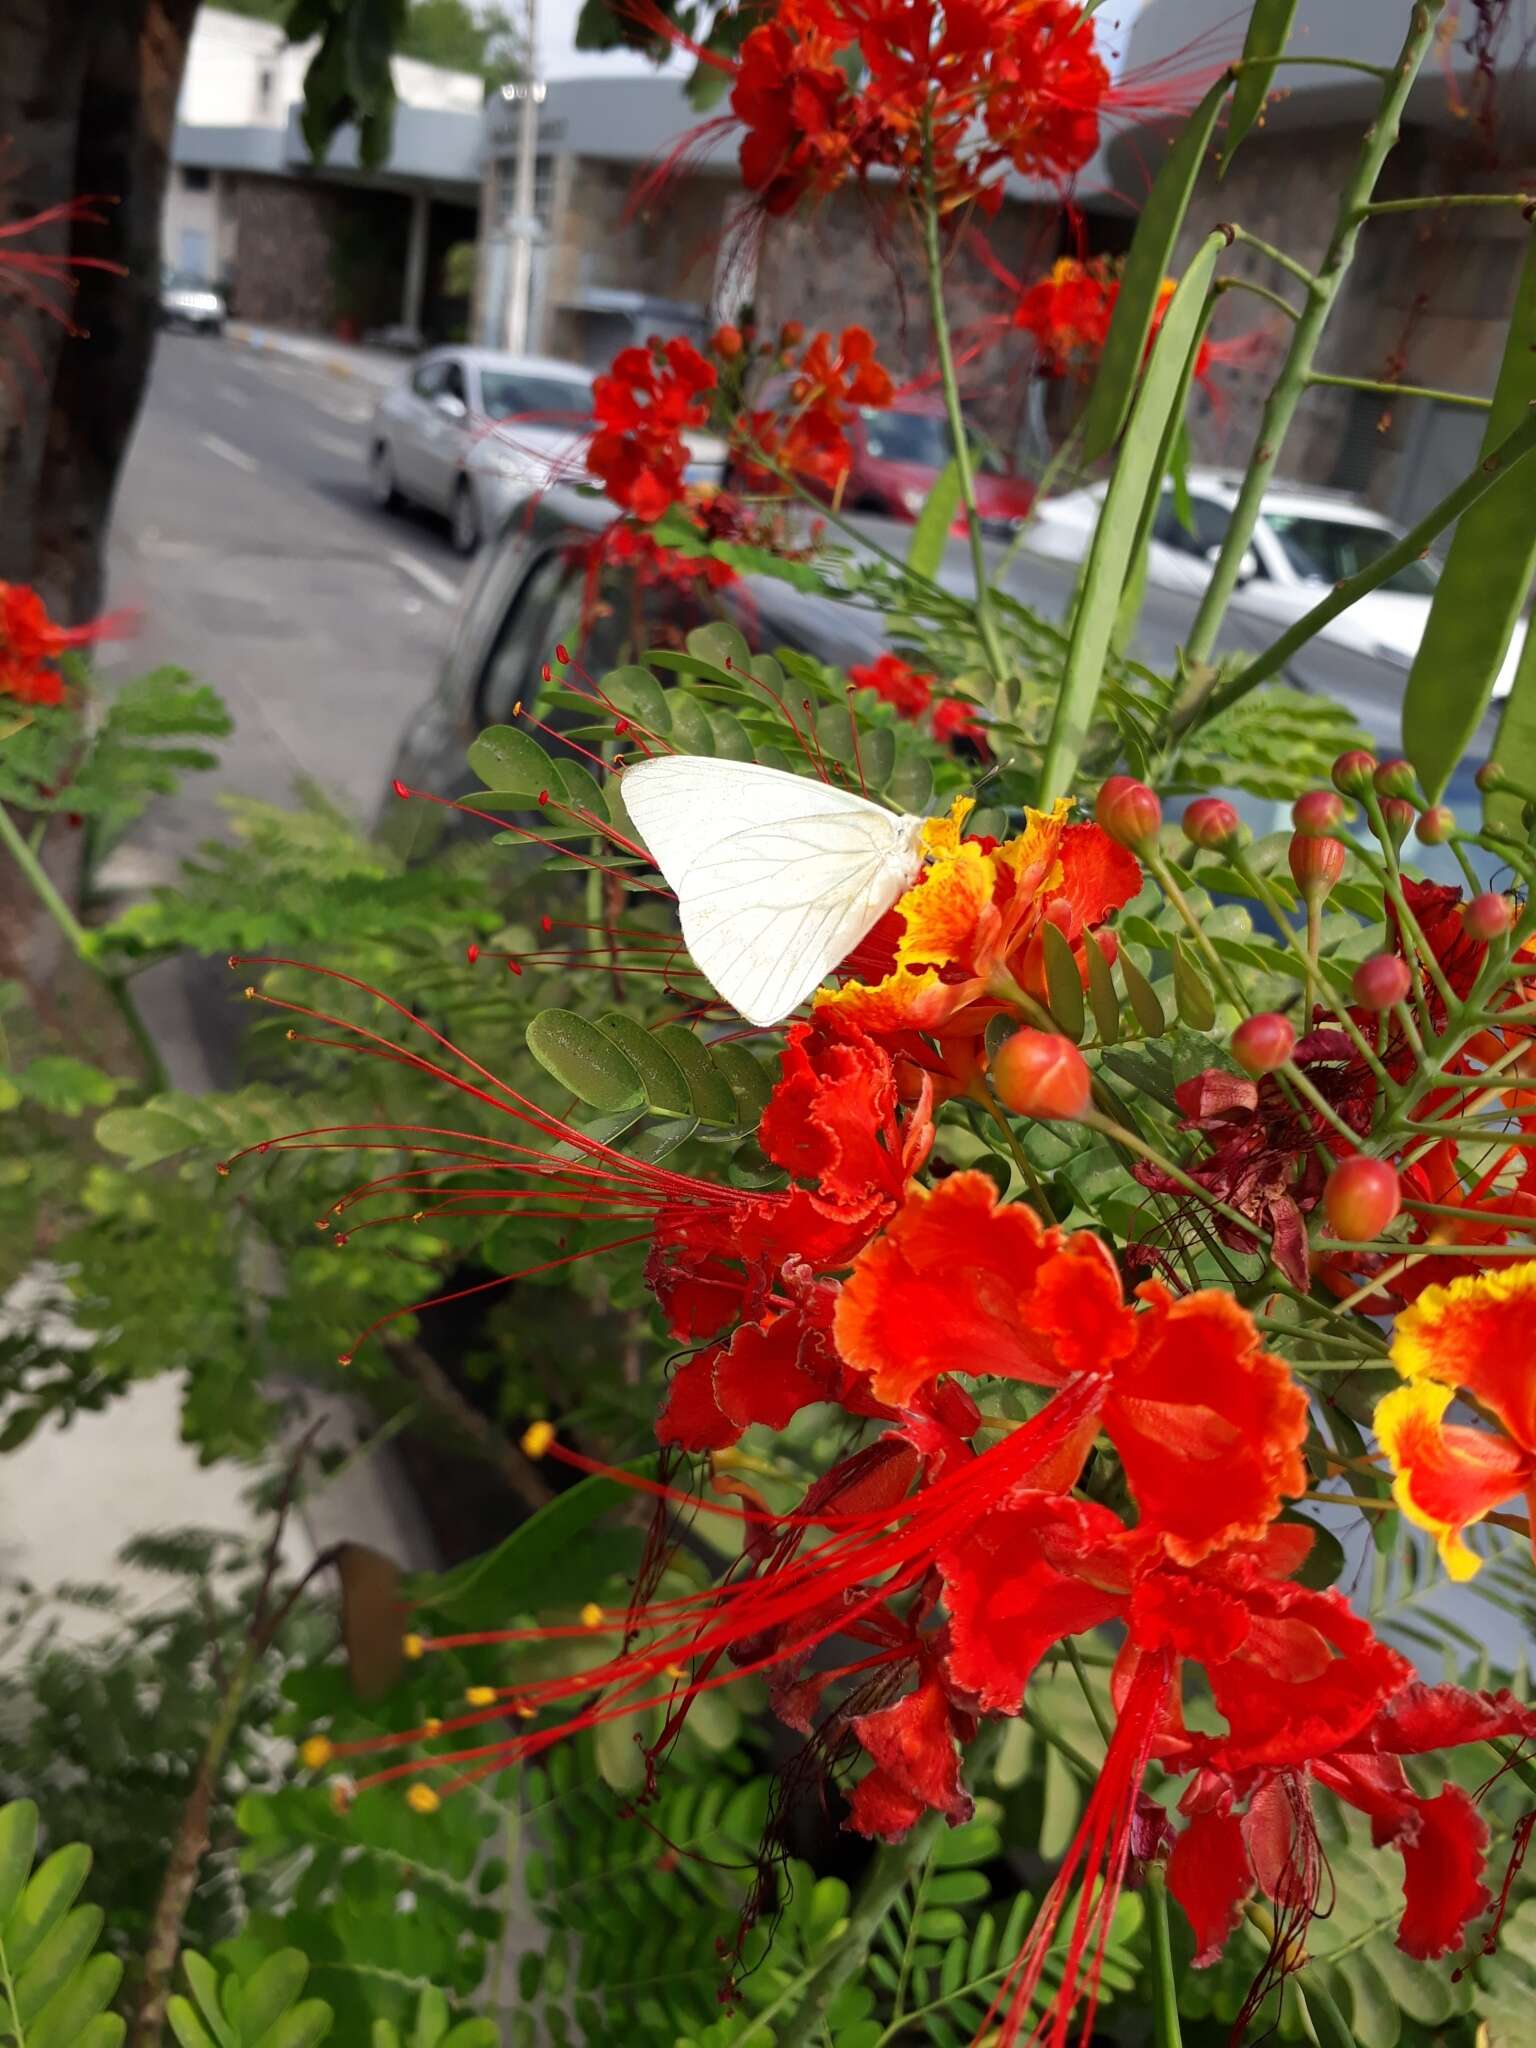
(87,105)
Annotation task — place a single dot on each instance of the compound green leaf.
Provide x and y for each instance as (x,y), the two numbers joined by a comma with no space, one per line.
(584,1059)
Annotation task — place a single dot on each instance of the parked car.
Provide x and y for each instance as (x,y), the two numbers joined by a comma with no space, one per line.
(530,590)
(191,302)
(468,431)
(899,450)
(1306,540)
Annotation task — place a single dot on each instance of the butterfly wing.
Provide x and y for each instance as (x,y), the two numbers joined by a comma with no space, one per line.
(777,877)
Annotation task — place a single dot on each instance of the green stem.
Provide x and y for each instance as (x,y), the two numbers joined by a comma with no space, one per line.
(1020,1157)
(1328,63)
(1165,1998)
(1297,270)
(1095,1705)
(1413,544)
(1399,390)
(1259,291)
(887,1877)
(1290,386)
(42,885)
(1432,201)
(986,622)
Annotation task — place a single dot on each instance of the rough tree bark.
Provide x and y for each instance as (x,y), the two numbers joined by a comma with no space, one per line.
(87,104)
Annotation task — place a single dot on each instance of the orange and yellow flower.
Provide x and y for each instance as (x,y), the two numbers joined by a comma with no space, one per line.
(1473,1336)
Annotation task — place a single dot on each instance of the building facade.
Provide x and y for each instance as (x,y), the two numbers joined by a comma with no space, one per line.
(1429,294)
(328,248)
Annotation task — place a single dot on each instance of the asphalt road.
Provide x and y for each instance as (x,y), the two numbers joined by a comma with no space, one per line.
(245,538)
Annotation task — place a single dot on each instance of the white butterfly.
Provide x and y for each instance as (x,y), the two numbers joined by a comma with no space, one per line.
(777,877)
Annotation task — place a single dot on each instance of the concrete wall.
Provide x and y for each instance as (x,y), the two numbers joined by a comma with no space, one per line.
(310,255)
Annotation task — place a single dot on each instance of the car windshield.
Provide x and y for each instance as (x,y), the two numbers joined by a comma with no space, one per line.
(540,401)
(921,438)
(1328,550)
(185,281)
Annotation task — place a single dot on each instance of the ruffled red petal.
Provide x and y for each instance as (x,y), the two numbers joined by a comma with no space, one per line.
(917,1764)
(1210,1876)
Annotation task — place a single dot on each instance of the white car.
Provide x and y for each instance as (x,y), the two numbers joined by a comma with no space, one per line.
(1306,540)
(191,302)
(468,432)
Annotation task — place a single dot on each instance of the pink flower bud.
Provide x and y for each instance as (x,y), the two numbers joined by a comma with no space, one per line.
(1399,816)
(1361,1197)
(1395,778)
(1488,917)
(1211,822)
(1318,812)
(1316,864)
(1129,812)
(1382,981)
(1437,825)
(1352,772)
(1262,1043)
(1041,1074)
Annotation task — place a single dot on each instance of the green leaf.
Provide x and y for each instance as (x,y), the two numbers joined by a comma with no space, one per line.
(1514,747)
(637,696)
(18,1845)
(302,2028)
(660,1075)
(1325,1561)
(1101,992)
(1487,575)
(44,1903)
(473,2034)
(105,2031)
(584,1060)
(709,1091)
(431,2019)
(1269,30)
(271,1990)
(930,536)
(910,784)
(1146,266)
(747,1079)
(82,1998)
(1114,536)
(1195,1005)
(510,761)
(1148,1010)
(204,1980)
(66,1086)
(186,2026)
(56,1960)
(720,644)
(1063,983)
(144,1136)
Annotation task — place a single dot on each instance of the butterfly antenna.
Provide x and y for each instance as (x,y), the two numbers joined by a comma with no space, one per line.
(858,754)
(987,775)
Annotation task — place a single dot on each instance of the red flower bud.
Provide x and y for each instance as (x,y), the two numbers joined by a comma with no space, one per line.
(1437,825)
(1352,772)
(1129,812)
(1211,822)
(1395,778)
(726,342)
(1042,1074)
(1316,864)
(1488,917)
(1318,812)
(1381,981)
(1399,816)
(1262,1043)
(1361,1197)
(791,334)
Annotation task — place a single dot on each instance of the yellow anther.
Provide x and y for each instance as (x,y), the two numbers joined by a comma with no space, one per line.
(527,1713)
(537,1438)
(591,1615)
(315,1754)
(481,1695)
(249,992)
(674,1671)
(414,1646)
(431,1726)
(517,708)
(422,1799)
(342,1793)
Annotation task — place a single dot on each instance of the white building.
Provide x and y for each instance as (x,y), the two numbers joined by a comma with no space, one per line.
(316,246)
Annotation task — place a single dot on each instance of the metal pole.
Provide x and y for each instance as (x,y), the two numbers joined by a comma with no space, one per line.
(528,93)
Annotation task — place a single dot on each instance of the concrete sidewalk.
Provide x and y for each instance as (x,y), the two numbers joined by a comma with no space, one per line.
(375,366)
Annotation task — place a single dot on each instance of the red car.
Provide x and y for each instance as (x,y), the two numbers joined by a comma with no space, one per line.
(899,451)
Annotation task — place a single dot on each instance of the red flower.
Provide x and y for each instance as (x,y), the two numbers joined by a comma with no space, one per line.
(907,689)
(917,1762)
(954,718)
(643,407)
(804,435)
(30,644)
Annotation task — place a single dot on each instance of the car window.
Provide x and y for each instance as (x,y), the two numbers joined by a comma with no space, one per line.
(1328,550)
(453,385)
(540,401)
(916,437)
(428,379)
(1210,525)
(549,594)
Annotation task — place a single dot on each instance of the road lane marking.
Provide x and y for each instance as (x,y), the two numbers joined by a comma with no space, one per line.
(226,453)
(354,415)
(232,394)
(440,587)
(351,451)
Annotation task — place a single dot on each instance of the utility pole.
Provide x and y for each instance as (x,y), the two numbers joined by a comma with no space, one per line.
(523,227)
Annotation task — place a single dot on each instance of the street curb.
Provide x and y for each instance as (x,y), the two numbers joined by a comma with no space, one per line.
(314,352)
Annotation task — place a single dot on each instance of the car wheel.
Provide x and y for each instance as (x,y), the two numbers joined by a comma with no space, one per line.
(465,521)
(381,478)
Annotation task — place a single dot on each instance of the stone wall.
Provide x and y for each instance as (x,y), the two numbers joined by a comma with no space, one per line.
(602,237)
(313,257)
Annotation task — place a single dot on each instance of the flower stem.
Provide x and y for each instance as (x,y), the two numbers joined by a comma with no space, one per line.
(986,621)
(1333,383)
(1165,2000)
(888,1876)
(1291,384)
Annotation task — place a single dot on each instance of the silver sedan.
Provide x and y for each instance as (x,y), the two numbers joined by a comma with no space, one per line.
(468,432)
